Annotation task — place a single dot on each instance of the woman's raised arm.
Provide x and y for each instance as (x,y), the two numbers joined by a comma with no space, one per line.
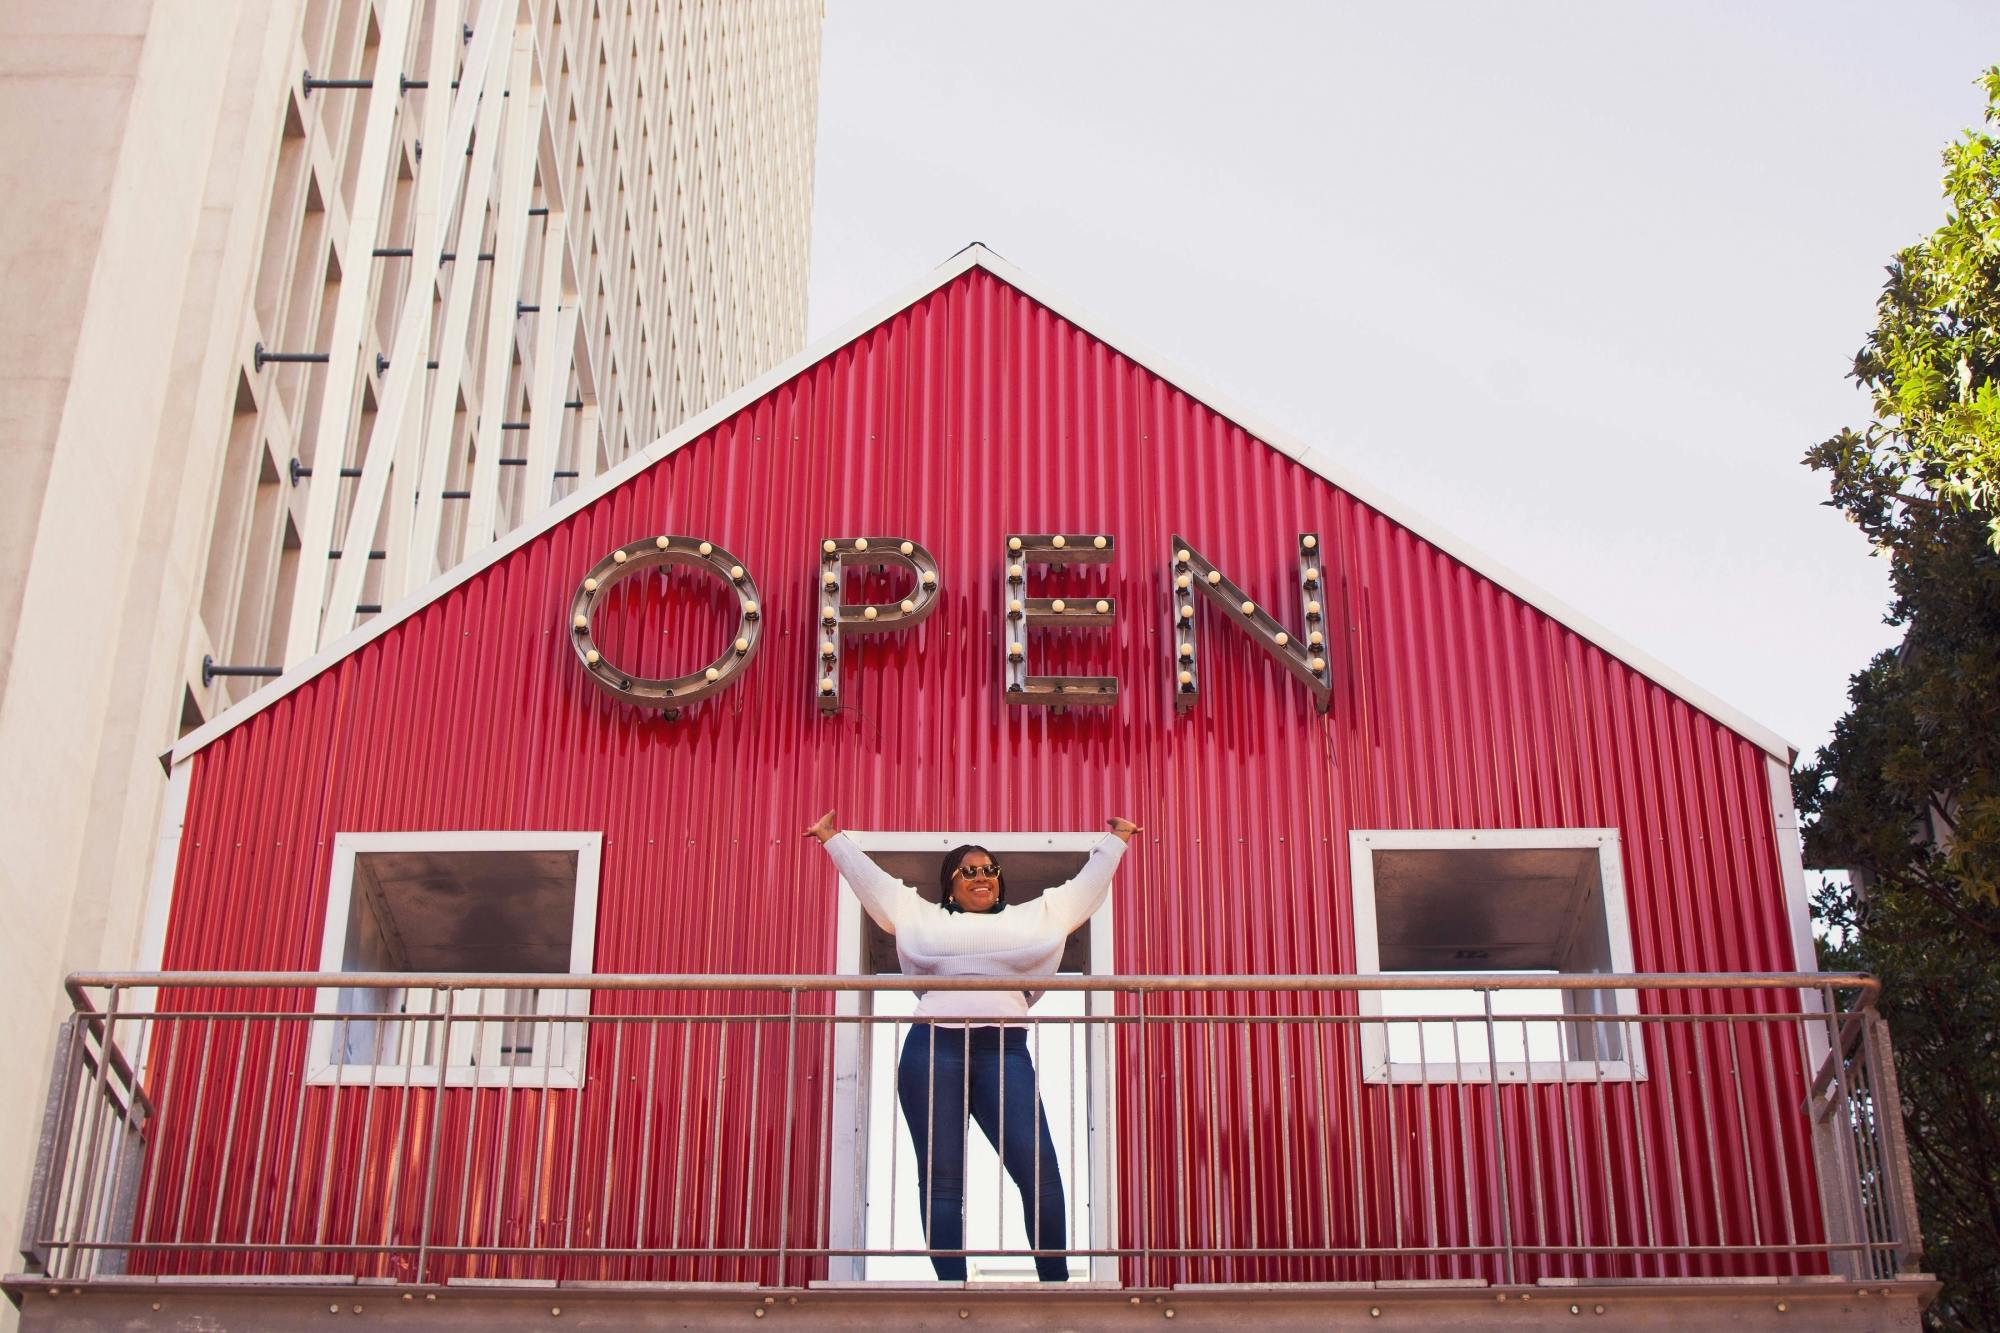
(1075,902)
(887,898)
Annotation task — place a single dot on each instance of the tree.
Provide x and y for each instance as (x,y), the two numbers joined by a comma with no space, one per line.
(1907,794)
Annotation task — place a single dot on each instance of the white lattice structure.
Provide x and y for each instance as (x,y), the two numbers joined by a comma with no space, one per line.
(634,181)
(268,364)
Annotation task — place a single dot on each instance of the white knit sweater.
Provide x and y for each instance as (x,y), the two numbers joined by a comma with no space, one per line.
(1025,940)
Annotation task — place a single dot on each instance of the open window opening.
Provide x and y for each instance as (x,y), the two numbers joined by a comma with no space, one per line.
(433,903)
(875,1204)
(1440,904)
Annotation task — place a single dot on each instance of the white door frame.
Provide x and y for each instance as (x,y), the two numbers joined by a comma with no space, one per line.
(847,1191)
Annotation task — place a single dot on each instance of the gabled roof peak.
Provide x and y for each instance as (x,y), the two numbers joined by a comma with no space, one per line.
(977,254)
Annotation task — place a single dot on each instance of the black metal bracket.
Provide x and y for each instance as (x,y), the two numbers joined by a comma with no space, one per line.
(261,358)
(210,669)
(298,470)
(310,83)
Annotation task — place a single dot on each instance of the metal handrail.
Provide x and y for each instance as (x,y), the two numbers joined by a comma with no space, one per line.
(1854,1128)
(1867,987)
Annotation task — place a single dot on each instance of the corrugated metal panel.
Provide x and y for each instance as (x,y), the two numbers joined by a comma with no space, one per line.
(974,413)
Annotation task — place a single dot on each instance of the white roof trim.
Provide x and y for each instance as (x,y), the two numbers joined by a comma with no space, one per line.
(978,256)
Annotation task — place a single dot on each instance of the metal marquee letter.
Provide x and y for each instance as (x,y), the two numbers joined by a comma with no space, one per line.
(670,694)
(837,618)
(1192,572)
(1024,613)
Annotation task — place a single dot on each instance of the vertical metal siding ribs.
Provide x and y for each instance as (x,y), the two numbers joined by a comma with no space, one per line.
(973,413)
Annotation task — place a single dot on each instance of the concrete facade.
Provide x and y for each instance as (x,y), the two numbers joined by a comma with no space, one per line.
(640,176)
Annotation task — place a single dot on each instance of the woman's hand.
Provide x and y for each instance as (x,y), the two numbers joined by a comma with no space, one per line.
(1124,828)
(824,830)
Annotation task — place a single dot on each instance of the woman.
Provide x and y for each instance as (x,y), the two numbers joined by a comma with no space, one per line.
(960,1050)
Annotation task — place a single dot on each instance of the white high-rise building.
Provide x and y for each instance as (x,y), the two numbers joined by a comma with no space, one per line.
(307,301)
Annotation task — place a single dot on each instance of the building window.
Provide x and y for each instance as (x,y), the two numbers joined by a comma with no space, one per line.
(1439,904)
(475,902)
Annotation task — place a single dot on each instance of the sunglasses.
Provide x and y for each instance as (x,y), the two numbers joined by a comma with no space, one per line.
(978,872)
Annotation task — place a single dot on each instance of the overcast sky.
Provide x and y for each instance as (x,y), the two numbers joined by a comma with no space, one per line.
(1586,280)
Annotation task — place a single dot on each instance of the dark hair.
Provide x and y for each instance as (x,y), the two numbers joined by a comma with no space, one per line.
(952,859)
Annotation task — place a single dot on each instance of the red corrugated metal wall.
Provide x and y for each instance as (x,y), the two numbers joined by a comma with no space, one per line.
(974,413)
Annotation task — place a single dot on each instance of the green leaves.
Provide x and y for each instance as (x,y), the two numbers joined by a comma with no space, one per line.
(1931,363)
(1907,794)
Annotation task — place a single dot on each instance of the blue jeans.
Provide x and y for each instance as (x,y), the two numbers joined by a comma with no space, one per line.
(945,1067)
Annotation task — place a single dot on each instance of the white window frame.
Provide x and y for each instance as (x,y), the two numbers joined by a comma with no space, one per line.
(847,1195)
(460,1071)
(1376,1067)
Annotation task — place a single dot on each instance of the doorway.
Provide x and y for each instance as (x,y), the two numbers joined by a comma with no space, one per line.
(873,1201)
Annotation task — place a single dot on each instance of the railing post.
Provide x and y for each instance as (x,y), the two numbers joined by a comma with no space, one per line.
(1500,1144)
(83,1208)
(1833,1153)
(52,1151)
(441,1052)
(785,1182)
(1899,1190)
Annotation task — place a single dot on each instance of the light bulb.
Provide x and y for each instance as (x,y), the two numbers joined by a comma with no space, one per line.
(660,542)
(826,684)
(1183,580)
(743,645)
(827,546)
(1187,677)
(1310,542)
(1182,555)
(1312,608)
(1103,607)
(1013,606)
(930,579)
(832,580)
(868,613)
(581,621)
(1187,652)
(1014,650)
(826,647)
(1319,664)
(1214,576)
(736,573)
(1281,638)
(860,543)
(908,606)
(591,657)
(1058,605)
(1099,542)
(828,616)
(590,585)
(1057,541)
(706,548)
(1013,543)
(711,674)
(1316,638)
(907,547)
(1014,573)
(749,608)
(618,557)
(1249,608)
(1187,613)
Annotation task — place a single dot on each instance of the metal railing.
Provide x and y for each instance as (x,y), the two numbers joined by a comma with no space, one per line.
(1505,1127)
